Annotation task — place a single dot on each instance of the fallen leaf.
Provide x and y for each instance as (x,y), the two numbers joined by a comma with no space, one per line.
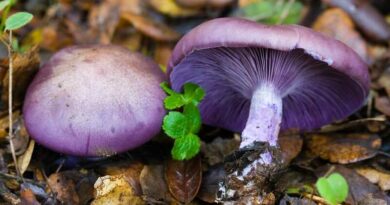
(337,24)
(291,146)
(204,3)
(375,176)
(153,185)
(151,28)
(28,198)
(170,8)
(24,68)
(184,178)
(210,183)
(216,151)
(162,53)
(63,185)
(384,80)
(115,190)
(382,104)
(25,158)
(344,148)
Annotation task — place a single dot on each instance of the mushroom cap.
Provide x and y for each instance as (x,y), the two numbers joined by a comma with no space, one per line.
(95,100)
(319,79)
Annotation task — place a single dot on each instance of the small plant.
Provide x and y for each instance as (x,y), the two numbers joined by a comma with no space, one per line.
(183,126)
(333,188)
(7,25)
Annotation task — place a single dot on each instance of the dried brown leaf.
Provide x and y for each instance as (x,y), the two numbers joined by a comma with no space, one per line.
(337,24)
(115,190)
(384,80)
(291,146)
(216,151)
(64,186)
(162,53)
(204,3)
(383,105)
(25,158)
(170,8)
(184,178)
(375,176)
(344,148)
(153,185)
(24,68)
(151,28)
(28,198)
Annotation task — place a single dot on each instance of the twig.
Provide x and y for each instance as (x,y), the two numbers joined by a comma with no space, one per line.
(10,118)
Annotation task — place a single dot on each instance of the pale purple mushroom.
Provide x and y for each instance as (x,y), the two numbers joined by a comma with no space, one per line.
(261,78)
(95,100)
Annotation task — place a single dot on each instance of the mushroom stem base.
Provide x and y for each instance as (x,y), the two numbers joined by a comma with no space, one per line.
(264,118)
(258,160)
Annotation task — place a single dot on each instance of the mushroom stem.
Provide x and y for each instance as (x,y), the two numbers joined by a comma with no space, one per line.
(265,116)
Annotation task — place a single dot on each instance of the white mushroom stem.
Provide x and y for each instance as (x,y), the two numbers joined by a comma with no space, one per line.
(264,119)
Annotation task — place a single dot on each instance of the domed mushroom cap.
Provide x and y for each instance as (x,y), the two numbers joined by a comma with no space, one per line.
(95,100)
(319,79)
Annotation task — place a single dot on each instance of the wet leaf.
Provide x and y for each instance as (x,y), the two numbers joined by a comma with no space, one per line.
(184,178)
(64,187)
(344,148)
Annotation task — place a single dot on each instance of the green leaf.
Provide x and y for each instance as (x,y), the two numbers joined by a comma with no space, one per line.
(192,114)
(174,101)
(334,189)
(186,147)
(193,93)
(4,4)
(175,125)
(17,20)
(167,89)
(273,12)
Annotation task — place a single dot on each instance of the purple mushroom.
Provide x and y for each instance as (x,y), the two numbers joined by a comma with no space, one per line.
(260,79)
(95,100)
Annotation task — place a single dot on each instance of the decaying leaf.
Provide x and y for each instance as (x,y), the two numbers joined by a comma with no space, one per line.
(169,7)
(204,3)
(210,183)
(131,173)
(162,53)
(184,178)
(154,187)
(216,151)
(376,177)
(344,148)
(64,187)
(149,27)
(25,158)
(383,104)
(337,24)
(24,68)
(72,187)
(384,80)
(28,197)
(291,146)
(115,190)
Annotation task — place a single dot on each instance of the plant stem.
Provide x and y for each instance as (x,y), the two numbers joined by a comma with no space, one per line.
(10,102)
(264,119)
